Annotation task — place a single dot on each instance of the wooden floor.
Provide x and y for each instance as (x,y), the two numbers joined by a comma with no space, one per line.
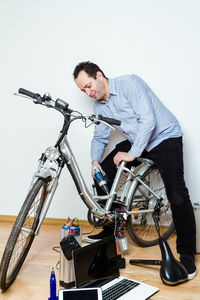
(33,280)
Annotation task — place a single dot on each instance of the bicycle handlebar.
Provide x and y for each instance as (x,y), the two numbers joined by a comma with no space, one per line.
(62,106)
(109,120)
(28,93)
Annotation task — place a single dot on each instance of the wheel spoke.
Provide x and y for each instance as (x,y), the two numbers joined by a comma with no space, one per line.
(23,233)
(143,227)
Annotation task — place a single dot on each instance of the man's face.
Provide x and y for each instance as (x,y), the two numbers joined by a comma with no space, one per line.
(94,88)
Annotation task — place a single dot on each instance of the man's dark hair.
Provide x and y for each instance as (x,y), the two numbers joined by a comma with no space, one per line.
(90,68)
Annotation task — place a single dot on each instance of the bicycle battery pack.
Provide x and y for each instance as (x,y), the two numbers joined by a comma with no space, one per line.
(67,279)
(68,244)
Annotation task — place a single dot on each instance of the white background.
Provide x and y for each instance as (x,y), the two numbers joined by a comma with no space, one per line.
(41,41)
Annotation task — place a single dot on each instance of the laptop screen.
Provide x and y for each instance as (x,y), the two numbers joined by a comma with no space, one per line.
(96,264)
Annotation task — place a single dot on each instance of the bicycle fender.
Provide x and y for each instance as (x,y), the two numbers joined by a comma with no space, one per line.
(45,173)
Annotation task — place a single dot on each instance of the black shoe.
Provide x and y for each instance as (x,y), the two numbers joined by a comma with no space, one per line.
(107,231)
(188,262)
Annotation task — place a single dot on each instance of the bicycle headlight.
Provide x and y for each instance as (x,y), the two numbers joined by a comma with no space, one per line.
(52,153)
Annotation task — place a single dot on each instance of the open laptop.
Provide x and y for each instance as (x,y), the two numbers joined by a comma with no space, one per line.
(95,265)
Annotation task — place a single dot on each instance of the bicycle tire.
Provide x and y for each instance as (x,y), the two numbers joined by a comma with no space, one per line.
(23,221)
(134,225)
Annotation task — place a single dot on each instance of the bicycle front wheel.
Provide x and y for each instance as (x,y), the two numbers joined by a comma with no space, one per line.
(22,234)
(141,227)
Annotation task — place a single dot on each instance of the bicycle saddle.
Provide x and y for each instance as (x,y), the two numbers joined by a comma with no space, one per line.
(172,272)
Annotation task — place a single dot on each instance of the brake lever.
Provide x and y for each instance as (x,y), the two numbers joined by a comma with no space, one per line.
(21,95)
(45,100)
(96,121)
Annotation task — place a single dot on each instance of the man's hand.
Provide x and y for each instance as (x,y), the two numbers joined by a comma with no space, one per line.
(122,156)
(96,164)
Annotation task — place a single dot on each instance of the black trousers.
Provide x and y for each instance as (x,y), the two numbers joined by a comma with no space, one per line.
(168,156)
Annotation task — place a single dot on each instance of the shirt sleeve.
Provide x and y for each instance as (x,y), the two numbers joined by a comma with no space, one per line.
(100,140)
(140,101)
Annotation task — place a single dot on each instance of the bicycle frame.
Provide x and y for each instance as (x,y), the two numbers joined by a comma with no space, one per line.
(91,200)
(64,151)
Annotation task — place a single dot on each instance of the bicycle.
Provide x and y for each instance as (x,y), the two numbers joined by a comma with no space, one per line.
(134,192)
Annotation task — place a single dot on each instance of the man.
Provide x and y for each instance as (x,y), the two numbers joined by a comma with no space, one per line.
(152,131)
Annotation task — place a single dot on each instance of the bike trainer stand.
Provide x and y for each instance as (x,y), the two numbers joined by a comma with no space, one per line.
(172,272)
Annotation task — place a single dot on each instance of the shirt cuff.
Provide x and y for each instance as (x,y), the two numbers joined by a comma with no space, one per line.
(96,156)
(135,151)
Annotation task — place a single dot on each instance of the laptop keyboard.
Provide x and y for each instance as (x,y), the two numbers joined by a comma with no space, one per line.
(119,289)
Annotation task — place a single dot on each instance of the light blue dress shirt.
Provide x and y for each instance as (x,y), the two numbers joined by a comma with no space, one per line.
(145,121)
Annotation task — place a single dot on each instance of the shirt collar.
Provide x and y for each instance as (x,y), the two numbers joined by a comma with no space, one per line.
(112,88)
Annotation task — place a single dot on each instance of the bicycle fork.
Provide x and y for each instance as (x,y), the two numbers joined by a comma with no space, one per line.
(47,171)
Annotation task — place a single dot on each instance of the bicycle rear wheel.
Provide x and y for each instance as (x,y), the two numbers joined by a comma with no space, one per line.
(22,234)
(141,227)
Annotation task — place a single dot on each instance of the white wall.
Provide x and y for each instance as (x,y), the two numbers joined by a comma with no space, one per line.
(41,41)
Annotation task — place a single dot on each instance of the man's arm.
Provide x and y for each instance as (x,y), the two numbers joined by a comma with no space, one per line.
(137,94)
(99,142)
(141,102)
(100,139)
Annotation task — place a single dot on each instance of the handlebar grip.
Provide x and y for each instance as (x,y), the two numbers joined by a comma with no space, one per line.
(28,93)
(109,120)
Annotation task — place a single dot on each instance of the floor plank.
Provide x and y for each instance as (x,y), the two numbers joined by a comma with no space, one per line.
(33,280)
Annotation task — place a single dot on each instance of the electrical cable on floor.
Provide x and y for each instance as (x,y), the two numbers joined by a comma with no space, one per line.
(124,273)
(55,249)
(58,263)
